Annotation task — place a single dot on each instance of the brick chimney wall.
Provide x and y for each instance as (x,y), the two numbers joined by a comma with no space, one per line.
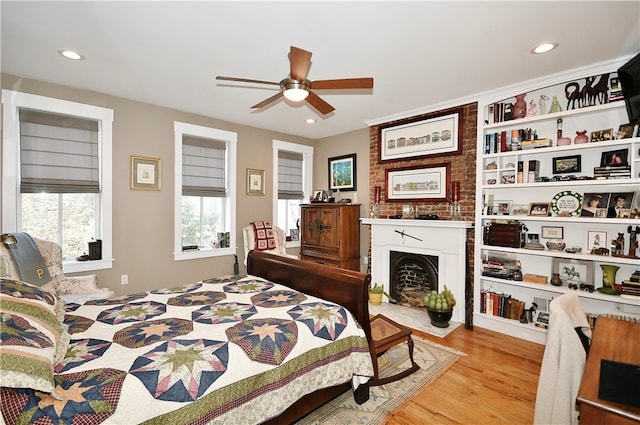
(463,169)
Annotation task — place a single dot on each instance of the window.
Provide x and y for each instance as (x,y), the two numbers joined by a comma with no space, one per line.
(57,174)
(205,191)
(292,182)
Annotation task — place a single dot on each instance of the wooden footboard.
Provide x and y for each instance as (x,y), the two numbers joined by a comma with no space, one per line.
(345,287)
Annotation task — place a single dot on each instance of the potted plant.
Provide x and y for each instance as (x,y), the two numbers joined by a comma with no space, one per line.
(439,307)
(375,294)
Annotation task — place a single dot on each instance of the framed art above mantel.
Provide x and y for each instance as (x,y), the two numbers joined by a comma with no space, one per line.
(430,135)
(418,184)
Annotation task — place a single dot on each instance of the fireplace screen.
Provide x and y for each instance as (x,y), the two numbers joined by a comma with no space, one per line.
(411,277)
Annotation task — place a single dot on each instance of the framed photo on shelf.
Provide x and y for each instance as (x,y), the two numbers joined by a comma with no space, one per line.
(596,239)
(295,234)
(573,271)
(539,209)
(318,196)
(615,158)
(520,209)
(418,184)
(255,182)
(620,204)
(602,135)
(552,232)
(567,164)
(595,204)
(432,134)
(625,131)
(502,207)
(145,173)
(342,172)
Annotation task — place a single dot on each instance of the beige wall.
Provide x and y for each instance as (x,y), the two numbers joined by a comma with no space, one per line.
(143,220)
(345,144)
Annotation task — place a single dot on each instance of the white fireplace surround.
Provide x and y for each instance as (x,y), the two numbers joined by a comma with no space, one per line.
(446,240)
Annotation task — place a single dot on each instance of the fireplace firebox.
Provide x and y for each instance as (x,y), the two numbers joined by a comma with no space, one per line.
(411,277)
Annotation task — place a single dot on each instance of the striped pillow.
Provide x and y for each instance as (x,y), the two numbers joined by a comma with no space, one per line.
(30,333)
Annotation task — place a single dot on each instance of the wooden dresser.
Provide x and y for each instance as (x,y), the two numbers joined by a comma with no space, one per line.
(330,234)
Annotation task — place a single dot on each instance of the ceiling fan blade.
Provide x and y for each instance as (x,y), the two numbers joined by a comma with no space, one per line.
(322,106)
(246,80)
(300,62)
(343,83)
(268,101)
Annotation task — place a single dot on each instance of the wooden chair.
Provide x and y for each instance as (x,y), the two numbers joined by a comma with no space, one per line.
(385,334)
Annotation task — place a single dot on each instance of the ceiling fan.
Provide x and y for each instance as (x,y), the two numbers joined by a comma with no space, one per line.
(296,87)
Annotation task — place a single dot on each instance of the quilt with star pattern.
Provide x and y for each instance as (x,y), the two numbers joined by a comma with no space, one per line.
(235,349)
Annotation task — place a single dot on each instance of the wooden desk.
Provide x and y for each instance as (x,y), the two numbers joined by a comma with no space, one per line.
(617,340)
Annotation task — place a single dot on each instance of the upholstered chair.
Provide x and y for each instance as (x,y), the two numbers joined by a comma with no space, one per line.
(248,236)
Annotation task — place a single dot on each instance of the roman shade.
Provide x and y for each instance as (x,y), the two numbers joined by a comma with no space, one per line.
(58,153)
(290,175)
(203,167)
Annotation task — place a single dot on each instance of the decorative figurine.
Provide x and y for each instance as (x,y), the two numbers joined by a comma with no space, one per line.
(555,105)
(543,103)
(573,95)
(532,112)
(633,241)
(618,245)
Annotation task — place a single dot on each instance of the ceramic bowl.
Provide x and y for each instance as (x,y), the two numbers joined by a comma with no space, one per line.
(556,245)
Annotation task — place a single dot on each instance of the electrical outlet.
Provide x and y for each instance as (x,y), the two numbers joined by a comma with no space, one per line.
(124,279)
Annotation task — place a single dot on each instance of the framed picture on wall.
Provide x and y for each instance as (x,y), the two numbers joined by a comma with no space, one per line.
(145,173)
(418,184)
(342,172)
(433,134)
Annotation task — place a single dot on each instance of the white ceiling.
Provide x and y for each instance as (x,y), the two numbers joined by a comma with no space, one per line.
(419,53)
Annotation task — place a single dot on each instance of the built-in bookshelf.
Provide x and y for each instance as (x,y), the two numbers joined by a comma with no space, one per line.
(525,177)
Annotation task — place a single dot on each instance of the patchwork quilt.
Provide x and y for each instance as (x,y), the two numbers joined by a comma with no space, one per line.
(234,349)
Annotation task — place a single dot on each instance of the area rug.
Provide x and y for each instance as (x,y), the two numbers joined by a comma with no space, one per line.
(434,360)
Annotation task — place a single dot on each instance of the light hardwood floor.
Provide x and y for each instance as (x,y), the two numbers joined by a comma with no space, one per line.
(495,383)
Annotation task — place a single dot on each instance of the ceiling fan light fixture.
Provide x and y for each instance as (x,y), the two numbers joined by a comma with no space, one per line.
(294,90)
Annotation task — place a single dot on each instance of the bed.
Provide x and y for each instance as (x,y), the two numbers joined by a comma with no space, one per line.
(269,346)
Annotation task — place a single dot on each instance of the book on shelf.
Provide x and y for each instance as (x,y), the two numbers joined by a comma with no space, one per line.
(519,172)
(503,141)
(536,143)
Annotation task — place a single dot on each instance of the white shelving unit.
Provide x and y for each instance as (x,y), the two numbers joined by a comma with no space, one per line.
(497,182)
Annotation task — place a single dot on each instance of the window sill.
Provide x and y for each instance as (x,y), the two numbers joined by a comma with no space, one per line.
(73,266)
(203,253)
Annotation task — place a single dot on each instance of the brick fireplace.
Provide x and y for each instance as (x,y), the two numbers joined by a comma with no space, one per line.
(411,276)
(443,243)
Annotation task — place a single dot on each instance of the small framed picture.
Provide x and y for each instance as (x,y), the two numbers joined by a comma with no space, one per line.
(145,173)
(520,209)
(539,208)
(573,271)
(596,239)
(318,196)
(595,204)
(255,182)
(602,135)
(625,131)
(617,158)
(552,232)
(620,205)
(295,234)
(502,207)
(567,164)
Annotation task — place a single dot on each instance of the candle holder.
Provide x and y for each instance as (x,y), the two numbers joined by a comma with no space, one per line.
(375,211)
(455,210)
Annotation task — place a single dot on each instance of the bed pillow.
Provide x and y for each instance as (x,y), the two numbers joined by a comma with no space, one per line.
(30,334)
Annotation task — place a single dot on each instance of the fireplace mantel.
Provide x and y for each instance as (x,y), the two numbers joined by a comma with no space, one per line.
(442,238)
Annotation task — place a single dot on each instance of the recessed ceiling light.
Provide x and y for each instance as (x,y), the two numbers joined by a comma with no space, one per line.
(70,54)
(544,47)
(310,121)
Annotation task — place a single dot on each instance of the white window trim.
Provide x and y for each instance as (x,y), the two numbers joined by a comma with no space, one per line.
(13,101)
(307,154)
(231,140)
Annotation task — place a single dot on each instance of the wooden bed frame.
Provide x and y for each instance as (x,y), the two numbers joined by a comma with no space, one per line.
(345,287)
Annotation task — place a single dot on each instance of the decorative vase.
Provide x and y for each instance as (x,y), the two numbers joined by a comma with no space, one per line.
(375,298)
(564,141)
(609,276)
(520,107)
(581,137)
(555,279)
